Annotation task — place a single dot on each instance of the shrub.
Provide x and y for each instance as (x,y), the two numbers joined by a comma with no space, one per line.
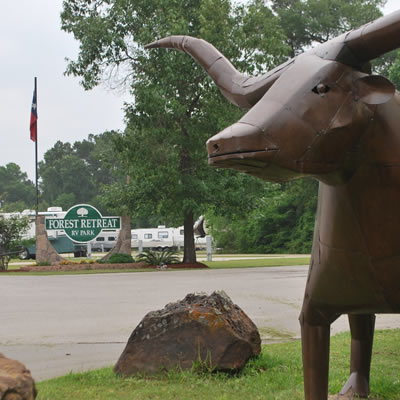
(152,257)
(11,231)
(43,264)
(120,258)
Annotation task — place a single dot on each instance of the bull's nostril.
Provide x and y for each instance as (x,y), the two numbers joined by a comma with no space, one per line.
(216,147)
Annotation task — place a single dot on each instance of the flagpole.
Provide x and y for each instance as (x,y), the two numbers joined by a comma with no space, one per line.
(36,160)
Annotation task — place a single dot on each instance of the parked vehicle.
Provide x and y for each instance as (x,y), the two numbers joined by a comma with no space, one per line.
(162,238)
(153,238)
(62,244)
(105,241)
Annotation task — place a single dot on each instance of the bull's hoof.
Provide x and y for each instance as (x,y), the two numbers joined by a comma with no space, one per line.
(356,387)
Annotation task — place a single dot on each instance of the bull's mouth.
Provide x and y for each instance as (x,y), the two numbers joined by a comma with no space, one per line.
(254,158)
(255,163)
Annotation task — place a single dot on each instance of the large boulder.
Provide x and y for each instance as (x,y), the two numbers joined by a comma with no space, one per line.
(210,329)
(16,382)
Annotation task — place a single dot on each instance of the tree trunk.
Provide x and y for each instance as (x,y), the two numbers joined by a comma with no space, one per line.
(189,250)
(123,244)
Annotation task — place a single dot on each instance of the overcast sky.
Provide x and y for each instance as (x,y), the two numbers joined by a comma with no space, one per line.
(32,44)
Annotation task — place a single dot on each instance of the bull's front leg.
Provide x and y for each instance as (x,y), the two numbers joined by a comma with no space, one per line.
(315,347)
(362,335)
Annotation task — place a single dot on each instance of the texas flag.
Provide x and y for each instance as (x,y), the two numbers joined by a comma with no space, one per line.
(34,116)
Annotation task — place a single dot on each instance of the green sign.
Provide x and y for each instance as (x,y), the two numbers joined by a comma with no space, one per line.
(83,223)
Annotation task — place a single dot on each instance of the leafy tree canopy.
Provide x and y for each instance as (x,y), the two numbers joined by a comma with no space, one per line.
(74,173)
(17,192)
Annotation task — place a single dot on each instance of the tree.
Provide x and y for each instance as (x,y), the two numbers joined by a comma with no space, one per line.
(176,107)
(74,173)
(65,174)
(17,192)
(11,231)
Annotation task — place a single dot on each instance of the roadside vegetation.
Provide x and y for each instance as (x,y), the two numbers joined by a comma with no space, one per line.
(251,261)
(255,262)
(275,374)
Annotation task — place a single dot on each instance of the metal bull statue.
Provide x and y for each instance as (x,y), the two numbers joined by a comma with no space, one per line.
(323,114)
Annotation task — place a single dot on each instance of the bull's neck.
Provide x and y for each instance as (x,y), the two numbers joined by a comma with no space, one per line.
(368,201)
(378,145)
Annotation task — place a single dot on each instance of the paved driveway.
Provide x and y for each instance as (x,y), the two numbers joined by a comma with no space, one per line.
(55,324)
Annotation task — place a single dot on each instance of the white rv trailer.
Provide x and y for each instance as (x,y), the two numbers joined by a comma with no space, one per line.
(54,212)
(105,241)
(162,238)
(153,238)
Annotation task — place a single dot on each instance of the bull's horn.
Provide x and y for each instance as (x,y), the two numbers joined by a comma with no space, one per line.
(362,45)
(376,38)
(238,88)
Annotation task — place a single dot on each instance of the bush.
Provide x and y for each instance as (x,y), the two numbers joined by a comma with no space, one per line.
(120,258)
(281,221)
(11,231)
(43,264)
(152,257)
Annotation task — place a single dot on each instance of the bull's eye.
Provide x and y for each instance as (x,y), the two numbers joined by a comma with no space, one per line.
(321,89)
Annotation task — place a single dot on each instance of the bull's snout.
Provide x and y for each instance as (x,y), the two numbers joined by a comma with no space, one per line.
(240,144)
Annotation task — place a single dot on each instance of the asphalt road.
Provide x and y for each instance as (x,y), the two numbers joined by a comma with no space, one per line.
(58,324)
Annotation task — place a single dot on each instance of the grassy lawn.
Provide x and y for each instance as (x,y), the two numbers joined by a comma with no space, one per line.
(259,262)
(276,374)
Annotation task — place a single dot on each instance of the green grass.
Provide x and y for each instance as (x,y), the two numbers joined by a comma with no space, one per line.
(276,374)
(250,255)
(259,262)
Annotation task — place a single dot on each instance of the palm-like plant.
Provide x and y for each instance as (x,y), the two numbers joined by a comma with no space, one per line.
(163,257)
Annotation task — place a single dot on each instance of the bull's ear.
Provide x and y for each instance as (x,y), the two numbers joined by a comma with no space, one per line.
(373,89)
